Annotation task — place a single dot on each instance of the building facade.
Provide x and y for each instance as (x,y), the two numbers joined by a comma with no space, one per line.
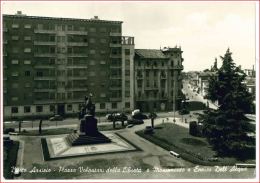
(158,81)
(50,64)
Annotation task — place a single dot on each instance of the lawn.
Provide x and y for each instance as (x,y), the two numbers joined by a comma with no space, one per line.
(56,131)
(195,149)
(10,161)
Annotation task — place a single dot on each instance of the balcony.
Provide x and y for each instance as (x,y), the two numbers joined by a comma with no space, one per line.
(77,33)
(41,31)
(115,66)
(44,90)
(44,43)
(116,56)
(115,99)
(115,77)
(115,34)
(114,45)
(77,55)
(5,41)
(77,44)
(44,67)
(177,67)
(45,55)
(45,78)
(115,88)
(77,66)
(77,78)
(126,40)
(5,29)
(77,89)
(44,101)
(151,88)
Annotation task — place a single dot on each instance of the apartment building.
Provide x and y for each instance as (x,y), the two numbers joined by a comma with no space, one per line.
(158,80)
(50,64)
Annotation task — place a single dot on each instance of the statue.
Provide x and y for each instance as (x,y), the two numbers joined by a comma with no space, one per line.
(89,133)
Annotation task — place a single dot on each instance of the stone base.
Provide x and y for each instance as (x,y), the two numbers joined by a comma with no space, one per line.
(58,147)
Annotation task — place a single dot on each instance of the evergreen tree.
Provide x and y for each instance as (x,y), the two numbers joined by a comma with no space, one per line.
(226,128)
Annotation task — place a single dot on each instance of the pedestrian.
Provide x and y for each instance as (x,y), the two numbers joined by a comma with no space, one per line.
(174,120)
(167,119)
(185,120)
(163,121)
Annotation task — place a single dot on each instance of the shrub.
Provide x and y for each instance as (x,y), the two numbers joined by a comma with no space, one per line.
(7,130)
(193,128)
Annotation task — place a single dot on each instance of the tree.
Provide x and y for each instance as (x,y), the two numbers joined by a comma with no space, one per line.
(226,128)
(152,115)
(40,127)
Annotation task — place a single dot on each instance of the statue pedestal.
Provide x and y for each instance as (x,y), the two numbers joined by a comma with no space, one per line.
(89,133)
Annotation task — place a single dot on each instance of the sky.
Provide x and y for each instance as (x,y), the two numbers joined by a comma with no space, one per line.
(204,30)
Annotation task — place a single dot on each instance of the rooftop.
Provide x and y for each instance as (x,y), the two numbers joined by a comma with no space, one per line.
(95,19)
(150,53)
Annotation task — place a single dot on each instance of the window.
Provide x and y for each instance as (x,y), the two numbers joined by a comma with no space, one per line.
(103,52)
(39,73)
(102,62)
(103,30)
(15,38)
(92,62)
(39,108)
(27,50)
(15,50)
(52,108)
(92,29)
(92,51)
(127,105)
(27,85)
(127,72)
(27,38)
(27,109)
(27,73)
(92,73)
(102,105)
(127,51)
(114,105)
(15,85)
(14,98)
(103,40)
(92,40)
(27,62)
(14,109)
(27,26)
(15,26)
(102,95)
(127,93)
(15,62)
(69,107)
(70,27)
(15,74)
(127,62)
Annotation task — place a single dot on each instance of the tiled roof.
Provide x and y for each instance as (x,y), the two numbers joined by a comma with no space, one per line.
(149,53)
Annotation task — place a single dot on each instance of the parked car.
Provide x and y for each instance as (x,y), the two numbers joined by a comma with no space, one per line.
(140,116)
(116,117)
(56,118)
(135,121)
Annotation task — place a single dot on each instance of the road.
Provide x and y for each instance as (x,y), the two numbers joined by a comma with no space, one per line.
(193,96)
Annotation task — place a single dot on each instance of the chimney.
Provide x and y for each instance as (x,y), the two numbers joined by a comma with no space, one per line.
(20,13)
(96,18)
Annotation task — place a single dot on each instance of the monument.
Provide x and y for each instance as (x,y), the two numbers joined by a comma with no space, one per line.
(88,131)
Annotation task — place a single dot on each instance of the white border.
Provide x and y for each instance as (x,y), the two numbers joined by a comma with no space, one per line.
(150,180)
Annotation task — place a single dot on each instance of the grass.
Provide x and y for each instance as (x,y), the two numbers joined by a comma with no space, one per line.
(56,131)
(194,149)
(10,160)
(109,127)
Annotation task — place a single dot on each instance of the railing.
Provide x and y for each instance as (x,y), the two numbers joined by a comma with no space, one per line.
(77,66)
(44,66)
(115,56)
(115,88)
(44,43)
(45,78)
(45,55)
(115,33)
(77,32)
(77,55)
(77,78)
(44,90)
(42,31)
(114,99)
(115,45)
(77,44)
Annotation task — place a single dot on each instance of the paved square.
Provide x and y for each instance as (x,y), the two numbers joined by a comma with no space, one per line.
(58,147)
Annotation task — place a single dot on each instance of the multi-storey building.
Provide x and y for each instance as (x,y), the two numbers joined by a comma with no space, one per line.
(158,81)
(50,64)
